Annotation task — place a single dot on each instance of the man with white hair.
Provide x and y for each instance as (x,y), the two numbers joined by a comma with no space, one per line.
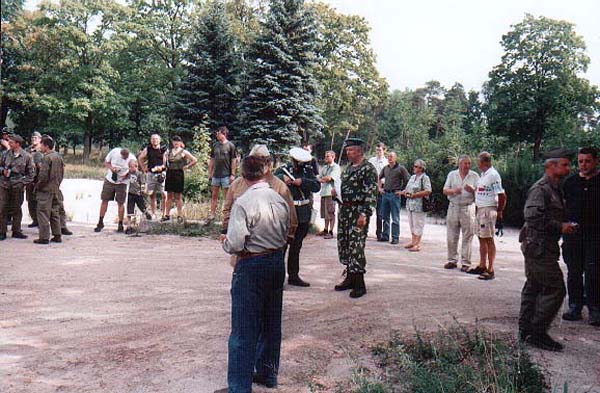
(460,190)
(154,155)
(239,186)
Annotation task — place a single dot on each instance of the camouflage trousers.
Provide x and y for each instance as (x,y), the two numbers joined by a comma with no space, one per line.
(351,240)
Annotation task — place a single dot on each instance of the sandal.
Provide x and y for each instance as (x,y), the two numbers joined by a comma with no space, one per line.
(476,270)
(409,245)
(464,268)
(486,275)
(415,249)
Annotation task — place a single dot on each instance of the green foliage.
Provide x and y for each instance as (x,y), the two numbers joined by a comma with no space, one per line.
(278,108)
(536,91)
(458,359)
(196,181)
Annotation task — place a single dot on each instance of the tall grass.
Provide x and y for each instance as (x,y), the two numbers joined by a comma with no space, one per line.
(456,359)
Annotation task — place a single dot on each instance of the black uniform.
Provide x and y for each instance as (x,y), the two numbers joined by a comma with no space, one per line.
(303,201)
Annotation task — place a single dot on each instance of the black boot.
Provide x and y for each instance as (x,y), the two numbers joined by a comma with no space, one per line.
(348,282)
(574,313)
(297,282)
(594,316)
(359,286)
(65,231)
(100,225)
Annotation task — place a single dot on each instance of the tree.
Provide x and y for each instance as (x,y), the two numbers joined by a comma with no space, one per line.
(210,89)
(279,105)
(9,56)
(352,91)
(536,91)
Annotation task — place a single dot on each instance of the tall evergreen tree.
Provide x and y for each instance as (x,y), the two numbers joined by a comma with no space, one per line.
(209,94)
(279,107)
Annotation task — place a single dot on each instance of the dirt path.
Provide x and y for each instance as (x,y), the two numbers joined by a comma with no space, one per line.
(109,313)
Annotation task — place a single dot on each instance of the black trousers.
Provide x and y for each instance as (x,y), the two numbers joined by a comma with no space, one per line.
(293,262)
(379,214)
(581,253)
(541,298)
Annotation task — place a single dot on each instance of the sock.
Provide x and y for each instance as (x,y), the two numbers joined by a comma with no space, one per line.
(101,220)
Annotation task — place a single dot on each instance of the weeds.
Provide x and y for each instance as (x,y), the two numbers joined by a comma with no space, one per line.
(457,360)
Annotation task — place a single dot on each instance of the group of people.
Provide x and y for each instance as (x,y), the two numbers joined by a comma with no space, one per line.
(36,173)
(267,214)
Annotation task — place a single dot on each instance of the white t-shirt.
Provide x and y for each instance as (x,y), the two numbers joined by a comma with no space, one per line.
(115,159)
(489,186)
(378,163)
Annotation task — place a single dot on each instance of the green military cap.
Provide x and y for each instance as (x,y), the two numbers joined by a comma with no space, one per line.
(559,152)
(16,138)
(354,142)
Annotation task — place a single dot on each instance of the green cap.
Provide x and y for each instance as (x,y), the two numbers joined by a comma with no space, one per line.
(354,142)
(559,152)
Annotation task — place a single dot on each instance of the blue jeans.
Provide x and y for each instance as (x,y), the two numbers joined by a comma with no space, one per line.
(390,207)
(256,302)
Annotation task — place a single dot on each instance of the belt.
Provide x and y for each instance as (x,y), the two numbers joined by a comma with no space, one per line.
(302,202)
(247,254)
(353,203)
(459,205)
(391,190)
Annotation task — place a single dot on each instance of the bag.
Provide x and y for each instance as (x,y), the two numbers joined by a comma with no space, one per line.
(427,203)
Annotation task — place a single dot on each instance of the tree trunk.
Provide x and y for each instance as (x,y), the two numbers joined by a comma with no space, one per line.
(87,138)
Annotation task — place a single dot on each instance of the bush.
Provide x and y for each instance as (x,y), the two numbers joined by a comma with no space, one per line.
(458,359)
(196,181)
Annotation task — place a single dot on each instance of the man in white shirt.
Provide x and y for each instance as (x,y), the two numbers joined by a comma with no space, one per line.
(460,190)
(490,200)
(330,174)
(379,161)
(115,184)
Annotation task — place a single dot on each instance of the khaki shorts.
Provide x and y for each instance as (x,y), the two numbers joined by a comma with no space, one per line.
(327,208)
(111,191)
(486,221)
(155,183)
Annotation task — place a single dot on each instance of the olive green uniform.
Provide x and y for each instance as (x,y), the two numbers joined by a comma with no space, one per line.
(12,187)
(359,194)
(30,188)
(544,290)
(48,194)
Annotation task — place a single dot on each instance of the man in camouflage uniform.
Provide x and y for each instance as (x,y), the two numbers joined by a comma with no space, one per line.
(37,155)
(545,221)
(359,194)
(48,193)
(16,171)
(301,184)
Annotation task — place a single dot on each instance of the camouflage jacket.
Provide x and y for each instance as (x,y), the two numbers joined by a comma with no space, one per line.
(51,173)
(359,186)
(21,168)
(544,214)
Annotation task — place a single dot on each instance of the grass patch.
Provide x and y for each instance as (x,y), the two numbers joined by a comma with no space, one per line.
(80,171)
(455,359)
(187,228)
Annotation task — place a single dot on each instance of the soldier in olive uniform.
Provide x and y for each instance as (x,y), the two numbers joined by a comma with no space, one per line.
(359,194)
(545,221)
(16,171)
(37,156)
(302,183)
(47,191)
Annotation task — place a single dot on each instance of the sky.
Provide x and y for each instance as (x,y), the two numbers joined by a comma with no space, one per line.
(416,41)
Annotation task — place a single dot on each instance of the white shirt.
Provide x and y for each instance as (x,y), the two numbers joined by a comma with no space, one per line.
(334,171)
(488,188)
(454,181)
(378,163)
(115,159)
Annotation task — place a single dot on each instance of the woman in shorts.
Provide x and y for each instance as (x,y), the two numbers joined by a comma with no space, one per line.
(178,160)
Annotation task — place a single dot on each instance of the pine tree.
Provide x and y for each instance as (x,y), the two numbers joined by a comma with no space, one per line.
(279,105)
(209,94)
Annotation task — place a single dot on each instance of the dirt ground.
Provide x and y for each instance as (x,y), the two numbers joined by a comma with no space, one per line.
(109,313)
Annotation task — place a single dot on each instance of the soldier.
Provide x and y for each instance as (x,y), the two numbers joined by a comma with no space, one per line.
(16,167)
(359,188)
(300,179)
(545,221)
(37,156)
(47,193)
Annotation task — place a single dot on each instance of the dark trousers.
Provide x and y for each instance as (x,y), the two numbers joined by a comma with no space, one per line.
(293,261)
(581,253)
(133,201)
(31,201)
(256,304)
(541,298)
(390,208)
(379,214)
(11,199)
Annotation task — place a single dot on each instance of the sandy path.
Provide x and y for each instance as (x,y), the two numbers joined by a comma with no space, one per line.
(109,313)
